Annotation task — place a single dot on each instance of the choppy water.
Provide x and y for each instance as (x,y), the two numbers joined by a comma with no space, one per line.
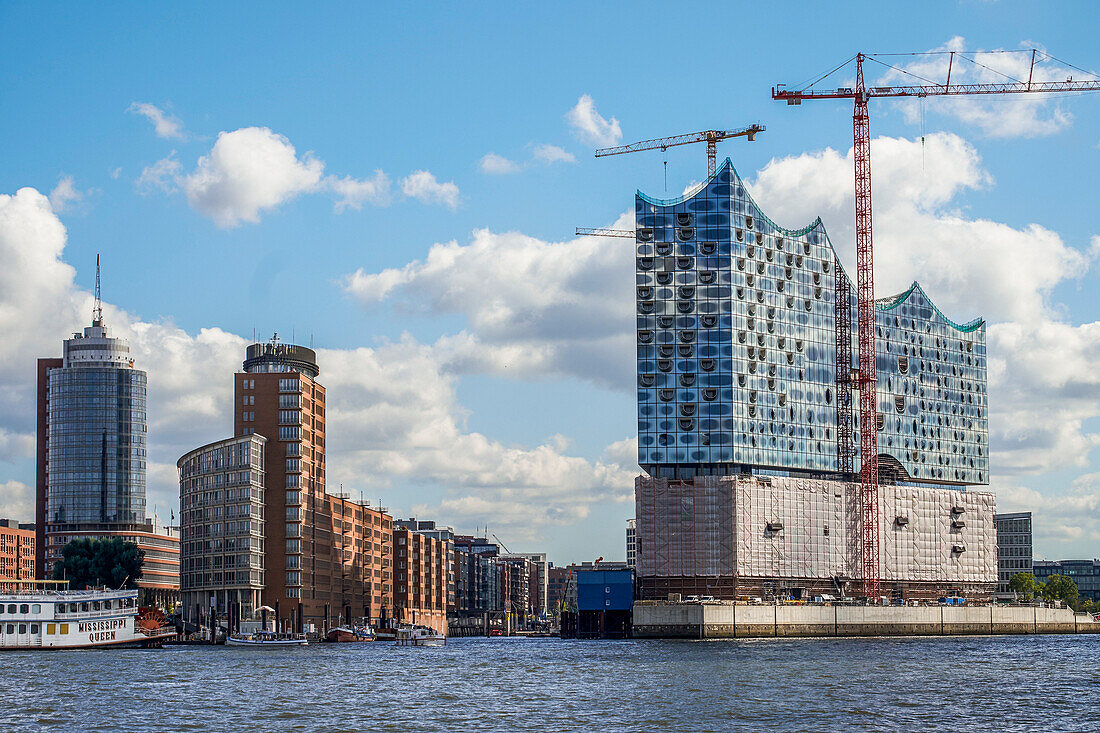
(912,684)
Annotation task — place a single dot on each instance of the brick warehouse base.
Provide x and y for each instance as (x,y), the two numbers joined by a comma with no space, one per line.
(772,537)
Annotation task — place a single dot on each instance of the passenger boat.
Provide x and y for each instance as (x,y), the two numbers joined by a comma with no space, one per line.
(44,614)
(266,639)
(350,634)
(385,634)
(419,636)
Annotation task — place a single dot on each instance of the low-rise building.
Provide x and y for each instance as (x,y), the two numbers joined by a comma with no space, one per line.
(1084,573)
(1014,551)
(17,545)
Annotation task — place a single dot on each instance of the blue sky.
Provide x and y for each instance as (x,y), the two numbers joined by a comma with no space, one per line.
(528,384)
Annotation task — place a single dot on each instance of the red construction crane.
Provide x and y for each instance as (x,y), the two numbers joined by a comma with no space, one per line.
(868,404)
(710,137)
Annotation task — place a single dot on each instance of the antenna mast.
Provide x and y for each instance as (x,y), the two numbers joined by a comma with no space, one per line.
(97,310)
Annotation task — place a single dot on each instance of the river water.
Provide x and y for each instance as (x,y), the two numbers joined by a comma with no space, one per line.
(1025,683)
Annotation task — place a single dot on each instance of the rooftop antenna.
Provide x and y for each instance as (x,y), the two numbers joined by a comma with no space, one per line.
(97,310)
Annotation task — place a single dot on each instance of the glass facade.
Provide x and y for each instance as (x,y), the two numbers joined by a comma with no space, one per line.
(737,352)
(96,434)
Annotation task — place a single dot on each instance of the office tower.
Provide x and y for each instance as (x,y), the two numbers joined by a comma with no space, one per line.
(92,455)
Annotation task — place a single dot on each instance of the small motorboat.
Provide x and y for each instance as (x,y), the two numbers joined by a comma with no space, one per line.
(386,634)
(419,636)
(266,639)
(350,634)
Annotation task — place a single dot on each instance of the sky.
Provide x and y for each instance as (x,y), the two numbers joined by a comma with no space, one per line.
(399,186)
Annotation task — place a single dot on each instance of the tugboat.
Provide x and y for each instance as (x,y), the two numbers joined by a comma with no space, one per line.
(44,614)
(266,639)
(346,634)
(419,636)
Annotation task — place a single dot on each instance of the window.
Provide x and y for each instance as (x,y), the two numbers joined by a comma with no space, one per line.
(22,628)
(34,628)
(10,628)
(51,629)
(64,628)
(290,433)
(35,608)
(24,608)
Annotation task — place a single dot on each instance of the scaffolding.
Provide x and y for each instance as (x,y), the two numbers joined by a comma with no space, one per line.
(750,535)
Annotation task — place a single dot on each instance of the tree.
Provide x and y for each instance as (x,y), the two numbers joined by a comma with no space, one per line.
(1060,588)
(1024,585)
(110,562)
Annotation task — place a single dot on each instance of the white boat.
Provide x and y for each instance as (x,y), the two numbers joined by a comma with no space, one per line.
(43,614)
(266,639)
(419,636)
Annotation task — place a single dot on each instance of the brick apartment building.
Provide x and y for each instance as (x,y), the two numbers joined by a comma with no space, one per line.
(421,587)
(17,546)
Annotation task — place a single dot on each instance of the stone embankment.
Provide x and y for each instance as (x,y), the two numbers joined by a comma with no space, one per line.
(658,619)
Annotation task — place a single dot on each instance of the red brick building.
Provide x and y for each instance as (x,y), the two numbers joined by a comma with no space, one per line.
(420,579)
(326,556)
(17,548)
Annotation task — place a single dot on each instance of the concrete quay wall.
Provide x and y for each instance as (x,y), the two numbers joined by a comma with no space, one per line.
(658,619)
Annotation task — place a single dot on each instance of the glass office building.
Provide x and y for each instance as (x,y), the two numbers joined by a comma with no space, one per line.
(96,435)
(739,369)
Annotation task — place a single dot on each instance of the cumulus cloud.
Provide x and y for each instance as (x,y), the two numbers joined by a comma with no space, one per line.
(590,127)
(16,501)
(533,307)
(248,171)
(968,266)
(423,185)
(64,195)
(166,125)
(496,165)
(550,154)
(999,116)
(354,192)
(394,415)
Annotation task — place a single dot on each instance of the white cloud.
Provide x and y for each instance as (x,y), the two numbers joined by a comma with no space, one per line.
(163,175)
(248,171)
(550,154)
(355,192)
(535,308)
(1062,521)
(590,127)
(998,116)
(496,165)
(394,416)
(422,185)
(166,125)
(968,266)
(64,194)
(17,501)
(116,173)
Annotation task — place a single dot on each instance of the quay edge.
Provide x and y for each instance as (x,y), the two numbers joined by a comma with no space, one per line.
(723,620)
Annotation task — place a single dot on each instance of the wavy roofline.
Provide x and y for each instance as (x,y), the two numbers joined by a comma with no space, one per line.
(815,224)
(891,302)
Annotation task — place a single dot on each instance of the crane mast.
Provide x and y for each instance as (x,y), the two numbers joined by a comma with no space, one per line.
(867,379)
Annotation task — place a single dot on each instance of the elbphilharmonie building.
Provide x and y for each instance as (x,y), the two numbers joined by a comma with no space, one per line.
(746,372)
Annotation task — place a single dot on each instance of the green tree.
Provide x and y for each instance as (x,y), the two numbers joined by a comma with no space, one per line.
(1024,585)
(1060,588)
(110,562)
